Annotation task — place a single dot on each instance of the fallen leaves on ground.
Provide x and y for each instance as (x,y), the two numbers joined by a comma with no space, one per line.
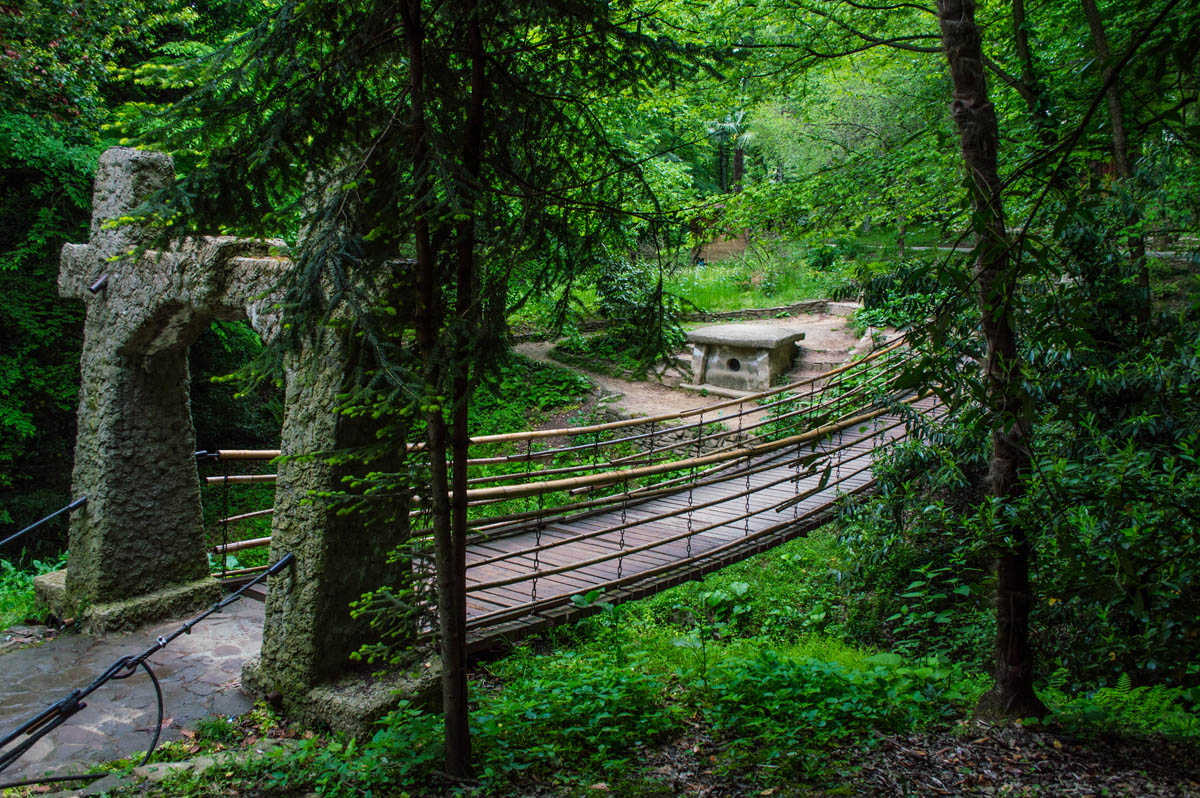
(981,759)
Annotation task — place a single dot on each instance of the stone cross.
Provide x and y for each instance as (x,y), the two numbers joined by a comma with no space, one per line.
(137,546)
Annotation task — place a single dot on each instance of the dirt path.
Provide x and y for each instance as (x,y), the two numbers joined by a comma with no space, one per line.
(827,344)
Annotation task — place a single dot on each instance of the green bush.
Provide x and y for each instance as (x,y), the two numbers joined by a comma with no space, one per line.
(17,603)
(784,712)
(1110,507)
(570,710)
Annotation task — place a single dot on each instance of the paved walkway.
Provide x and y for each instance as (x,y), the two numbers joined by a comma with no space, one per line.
(200,675)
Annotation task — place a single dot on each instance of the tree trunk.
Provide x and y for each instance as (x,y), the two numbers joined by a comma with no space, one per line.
(1007,404)
(1029,87)
(1120,147)
(722,168)
(428,318)
(739,167)
(454,646)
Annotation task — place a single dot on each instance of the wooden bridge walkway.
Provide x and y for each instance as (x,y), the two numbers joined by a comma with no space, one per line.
(523,581)
(632,507)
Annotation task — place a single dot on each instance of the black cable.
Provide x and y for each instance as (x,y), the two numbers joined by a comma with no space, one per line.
(69,508)
(53,716)
(88,776)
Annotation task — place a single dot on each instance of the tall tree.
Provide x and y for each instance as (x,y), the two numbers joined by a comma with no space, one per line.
(468,135)
(1007,403)
(1121,156)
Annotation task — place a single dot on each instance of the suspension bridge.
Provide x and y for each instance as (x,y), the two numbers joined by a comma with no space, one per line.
(631,507)
(619,510)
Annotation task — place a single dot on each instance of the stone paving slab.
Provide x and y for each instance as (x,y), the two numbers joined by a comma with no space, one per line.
(200,676)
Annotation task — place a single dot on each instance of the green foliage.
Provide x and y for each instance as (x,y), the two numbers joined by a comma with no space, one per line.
(45,193)
(17,604)
(223,417)
(908,293)
(523,393)
(783,712)
(616,351)
(570,709)
(1110,504)
(215,729)
(1122,708)
(563,711)
(767,274)
(402,754)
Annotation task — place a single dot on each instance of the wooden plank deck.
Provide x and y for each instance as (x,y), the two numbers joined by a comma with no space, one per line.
(732,528)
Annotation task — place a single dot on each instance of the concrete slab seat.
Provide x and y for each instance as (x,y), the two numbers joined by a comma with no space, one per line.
(741,357)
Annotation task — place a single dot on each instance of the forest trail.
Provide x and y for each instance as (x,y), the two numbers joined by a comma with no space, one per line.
(829,342)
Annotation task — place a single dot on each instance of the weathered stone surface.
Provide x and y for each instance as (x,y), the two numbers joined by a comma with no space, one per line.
(140,531)
(354,702)
(750,335)
(310,632)
(137,546)
(742,357)
(126,614)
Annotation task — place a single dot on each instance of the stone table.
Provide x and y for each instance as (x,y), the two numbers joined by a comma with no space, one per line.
(741,357)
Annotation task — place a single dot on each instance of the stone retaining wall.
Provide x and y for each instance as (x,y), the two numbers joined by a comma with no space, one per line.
(595,325)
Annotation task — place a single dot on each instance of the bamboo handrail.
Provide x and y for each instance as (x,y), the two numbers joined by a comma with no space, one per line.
(682,510)
(270,454)
(243,571)
(543,454)
(695,411)
(550,486)
(240,479)
(247,454)
(696,441)
(239,545)
(255,514)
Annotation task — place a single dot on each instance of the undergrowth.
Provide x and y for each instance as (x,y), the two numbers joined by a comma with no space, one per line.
(17,603)
(758,696)
(764,276)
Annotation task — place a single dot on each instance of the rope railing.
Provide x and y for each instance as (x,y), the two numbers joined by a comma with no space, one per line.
(681,511)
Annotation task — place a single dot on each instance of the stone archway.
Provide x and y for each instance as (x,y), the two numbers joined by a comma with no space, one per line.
(138,548)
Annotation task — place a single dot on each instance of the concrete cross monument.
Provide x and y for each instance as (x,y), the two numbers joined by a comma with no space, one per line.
(137,546)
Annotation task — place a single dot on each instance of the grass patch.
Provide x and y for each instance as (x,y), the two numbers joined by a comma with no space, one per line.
(761,278)
(17,604)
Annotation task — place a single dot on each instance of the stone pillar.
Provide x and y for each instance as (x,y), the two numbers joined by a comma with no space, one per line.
(137,546)
(310,633)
